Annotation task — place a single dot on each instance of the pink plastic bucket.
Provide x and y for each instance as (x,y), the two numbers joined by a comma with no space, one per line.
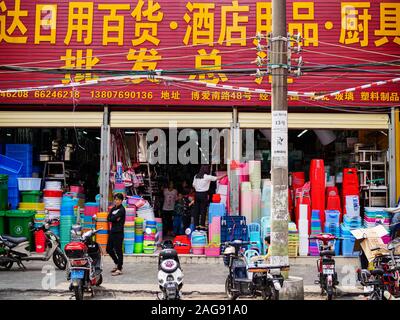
(198,250)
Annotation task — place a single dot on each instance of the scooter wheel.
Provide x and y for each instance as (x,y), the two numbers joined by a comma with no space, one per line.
(6,265)
(100,281)
(78,291)
(228,290)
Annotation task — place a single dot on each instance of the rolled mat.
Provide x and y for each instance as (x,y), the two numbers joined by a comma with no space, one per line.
(256,205)
(246,201)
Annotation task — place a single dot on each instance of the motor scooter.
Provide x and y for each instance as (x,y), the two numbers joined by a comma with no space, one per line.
(170,273)
(17,249)
(85,264)
(327,275)
(266,282)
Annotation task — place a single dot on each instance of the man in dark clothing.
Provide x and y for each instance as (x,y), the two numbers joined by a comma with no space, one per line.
(116,237)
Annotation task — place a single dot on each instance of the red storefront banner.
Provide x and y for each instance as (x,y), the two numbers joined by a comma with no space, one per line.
(346,45)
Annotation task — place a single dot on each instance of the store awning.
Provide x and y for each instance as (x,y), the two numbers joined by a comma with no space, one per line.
(318,120)
(164,119)
(49,119)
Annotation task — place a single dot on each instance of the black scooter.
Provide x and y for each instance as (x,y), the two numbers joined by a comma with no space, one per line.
(266,282)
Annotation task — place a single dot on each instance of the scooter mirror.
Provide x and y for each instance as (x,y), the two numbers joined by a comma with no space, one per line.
(148,231)
(188,231)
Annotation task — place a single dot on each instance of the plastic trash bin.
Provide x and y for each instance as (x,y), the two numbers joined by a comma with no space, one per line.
(20,223)
(2,222)
(3,192)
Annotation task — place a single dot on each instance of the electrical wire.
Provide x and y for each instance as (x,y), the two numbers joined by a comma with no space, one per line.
(358,49)
(125,53)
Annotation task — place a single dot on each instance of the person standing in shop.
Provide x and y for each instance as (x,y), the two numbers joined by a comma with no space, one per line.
(116,237)
(170,196)
(201,184)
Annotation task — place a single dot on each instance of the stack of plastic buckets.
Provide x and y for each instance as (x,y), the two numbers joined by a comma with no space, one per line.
(317,179)
(348,238)
(149,239)
(332,225)
(40,215)
(199,242)
(139,236)
(91,209)
(52,197)
(67,220)
(315,229)
(129,237)
(102,226)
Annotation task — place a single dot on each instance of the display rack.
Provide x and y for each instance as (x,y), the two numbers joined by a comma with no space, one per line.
(371,165)
(150,186)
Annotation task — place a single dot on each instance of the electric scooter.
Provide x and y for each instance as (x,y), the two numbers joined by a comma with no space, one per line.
(17,249)
(266,282)
(328,278)
(85,264)
(170,273)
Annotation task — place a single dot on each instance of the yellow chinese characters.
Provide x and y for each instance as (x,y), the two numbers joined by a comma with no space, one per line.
(215,59)
(113,23)
(144,60)
(264,17)
(78,62)
(237,26)
(389,23)
(46,22)
(309,31)
(16,14)
(146,31)
(202,26)
(80,19)
(354,23)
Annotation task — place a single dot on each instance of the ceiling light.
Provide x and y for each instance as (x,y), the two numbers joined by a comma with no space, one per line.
(98,138)
(130,132)
(301,133)
(8,134)
(84,132)
(383,132)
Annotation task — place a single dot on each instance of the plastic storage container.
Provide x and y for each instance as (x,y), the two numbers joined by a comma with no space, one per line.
(29,184)
(20,223)
(3,192)
(10,164)
(30,196)
(2,222)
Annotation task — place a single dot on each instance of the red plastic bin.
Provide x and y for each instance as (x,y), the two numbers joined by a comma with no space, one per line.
(182,249)
(52,193)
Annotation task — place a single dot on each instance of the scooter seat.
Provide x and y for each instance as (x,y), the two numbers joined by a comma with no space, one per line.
(377,272)
(329,253)
(244,280)
(16,240)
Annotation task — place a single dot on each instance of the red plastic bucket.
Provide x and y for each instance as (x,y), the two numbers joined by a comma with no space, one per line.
(52,193)
(40,241)
(298,180)
(216,198)
(317,179)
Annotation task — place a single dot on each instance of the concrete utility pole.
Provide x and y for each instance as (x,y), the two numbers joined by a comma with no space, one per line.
(279,138)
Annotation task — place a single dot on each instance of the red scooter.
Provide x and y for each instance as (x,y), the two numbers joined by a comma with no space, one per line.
(328,279)
(85,264)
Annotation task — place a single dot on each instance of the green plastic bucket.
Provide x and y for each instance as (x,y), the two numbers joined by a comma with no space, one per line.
(20,223)
(3,192)
(31,196)
(2,222)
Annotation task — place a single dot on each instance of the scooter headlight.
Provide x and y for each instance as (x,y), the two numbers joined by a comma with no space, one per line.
(161,281)
(179,279)
(170,278)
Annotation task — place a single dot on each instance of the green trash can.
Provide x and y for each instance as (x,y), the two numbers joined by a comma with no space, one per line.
(2,222)
(20,223)
(3,192)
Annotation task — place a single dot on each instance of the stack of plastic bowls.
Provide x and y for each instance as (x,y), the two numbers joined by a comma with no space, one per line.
(149,239)
(102,226)
(119,188)
(40,215)
(52,200)
(130,214)
(55,227)
(129,237)
(139,237)
(67,219)
(199,242)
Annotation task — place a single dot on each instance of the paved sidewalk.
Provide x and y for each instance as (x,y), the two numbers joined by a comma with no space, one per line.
(204,278)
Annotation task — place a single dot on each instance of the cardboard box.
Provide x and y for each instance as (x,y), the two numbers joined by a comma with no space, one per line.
(368,239)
